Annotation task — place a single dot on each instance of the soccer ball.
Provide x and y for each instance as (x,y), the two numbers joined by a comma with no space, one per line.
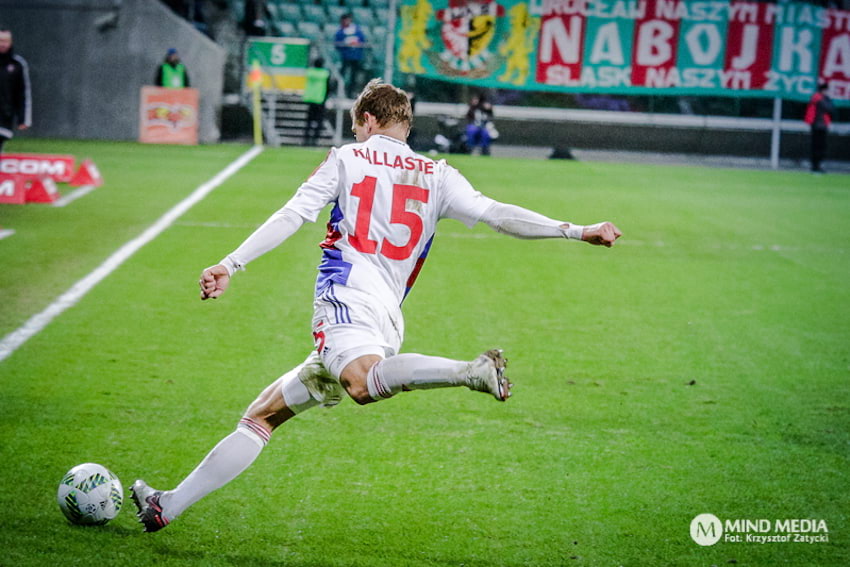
(90,494)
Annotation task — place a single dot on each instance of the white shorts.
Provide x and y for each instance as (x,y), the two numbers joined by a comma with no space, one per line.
(349,323)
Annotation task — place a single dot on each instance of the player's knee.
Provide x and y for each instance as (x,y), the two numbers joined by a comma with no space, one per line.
(268,417)
(269,420)
(358,391)
(270,409)
(353,378)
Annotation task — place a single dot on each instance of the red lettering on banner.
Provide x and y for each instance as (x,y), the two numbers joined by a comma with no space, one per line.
(561,46)
(655,43)
(749,43)
(835,50)
(59,168)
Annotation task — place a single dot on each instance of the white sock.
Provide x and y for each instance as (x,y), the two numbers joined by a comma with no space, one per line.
(226,461)
(414,372)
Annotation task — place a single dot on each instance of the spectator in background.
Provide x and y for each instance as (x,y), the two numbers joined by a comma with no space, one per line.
(819,116)
(192,10)
(15,99)
(350,41)
(172,73)
(255,17)
(480,130)
(315,95)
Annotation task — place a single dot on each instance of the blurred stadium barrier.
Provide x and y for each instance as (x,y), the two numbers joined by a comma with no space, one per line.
(89,58)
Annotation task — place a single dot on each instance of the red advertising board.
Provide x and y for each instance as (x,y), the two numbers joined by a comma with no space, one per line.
(59,168)
(168,116)
(41,190)
(12,189)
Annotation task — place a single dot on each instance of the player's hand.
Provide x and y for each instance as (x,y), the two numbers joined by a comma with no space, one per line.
(22,126)
(601,234)
(214,281)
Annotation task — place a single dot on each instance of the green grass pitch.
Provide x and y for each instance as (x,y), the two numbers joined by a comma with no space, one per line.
(702,365)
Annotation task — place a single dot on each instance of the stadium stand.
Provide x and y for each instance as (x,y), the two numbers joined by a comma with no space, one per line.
(336,12)
(364,16)
(311,30)
(654,123)
(285,28)
(314,13)
(645,123)
(289,12)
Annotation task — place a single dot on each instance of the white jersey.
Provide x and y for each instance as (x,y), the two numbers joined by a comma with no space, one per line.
(387,201)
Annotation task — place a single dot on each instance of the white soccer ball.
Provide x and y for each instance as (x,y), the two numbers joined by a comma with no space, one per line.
(90,494)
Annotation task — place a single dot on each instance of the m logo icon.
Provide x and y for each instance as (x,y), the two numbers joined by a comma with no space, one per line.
(7,188)
(12,189)
(706,529)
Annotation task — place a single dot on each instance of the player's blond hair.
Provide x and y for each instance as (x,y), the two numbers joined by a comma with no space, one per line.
(388,104)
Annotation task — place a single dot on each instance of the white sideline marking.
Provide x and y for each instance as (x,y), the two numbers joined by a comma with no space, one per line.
(215,225)
(36,323)
(74,195)
(6,233)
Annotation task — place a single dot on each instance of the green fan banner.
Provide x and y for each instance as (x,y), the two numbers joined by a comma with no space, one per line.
(677,47)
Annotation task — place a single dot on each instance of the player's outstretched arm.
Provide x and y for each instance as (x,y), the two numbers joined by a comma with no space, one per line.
(214,281)
(599,234)
(523,223)
(280,226)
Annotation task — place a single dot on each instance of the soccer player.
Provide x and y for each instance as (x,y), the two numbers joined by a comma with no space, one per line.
(386,203)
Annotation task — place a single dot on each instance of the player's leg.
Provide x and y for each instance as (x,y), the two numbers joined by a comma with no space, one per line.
(486,140)
(818,148)
(358,337)
(311,131)
(7,126)
(813,151)
(471,137)
(356,77)
(307,126)
(276,404)
(372,378)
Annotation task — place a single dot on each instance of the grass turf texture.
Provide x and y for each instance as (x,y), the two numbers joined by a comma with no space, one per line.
(701,365)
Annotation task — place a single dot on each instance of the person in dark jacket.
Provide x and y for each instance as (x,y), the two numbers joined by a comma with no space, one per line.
(15,99)
(480,130)
(172,72)
(819,116)
(254,22)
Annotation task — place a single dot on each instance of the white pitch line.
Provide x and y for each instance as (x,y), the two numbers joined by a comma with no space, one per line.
(215,225)
(6,233)
(74,195)
(36,323)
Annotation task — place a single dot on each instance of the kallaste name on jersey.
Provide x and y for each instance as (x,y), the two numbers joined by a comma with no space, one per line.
(395,161)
